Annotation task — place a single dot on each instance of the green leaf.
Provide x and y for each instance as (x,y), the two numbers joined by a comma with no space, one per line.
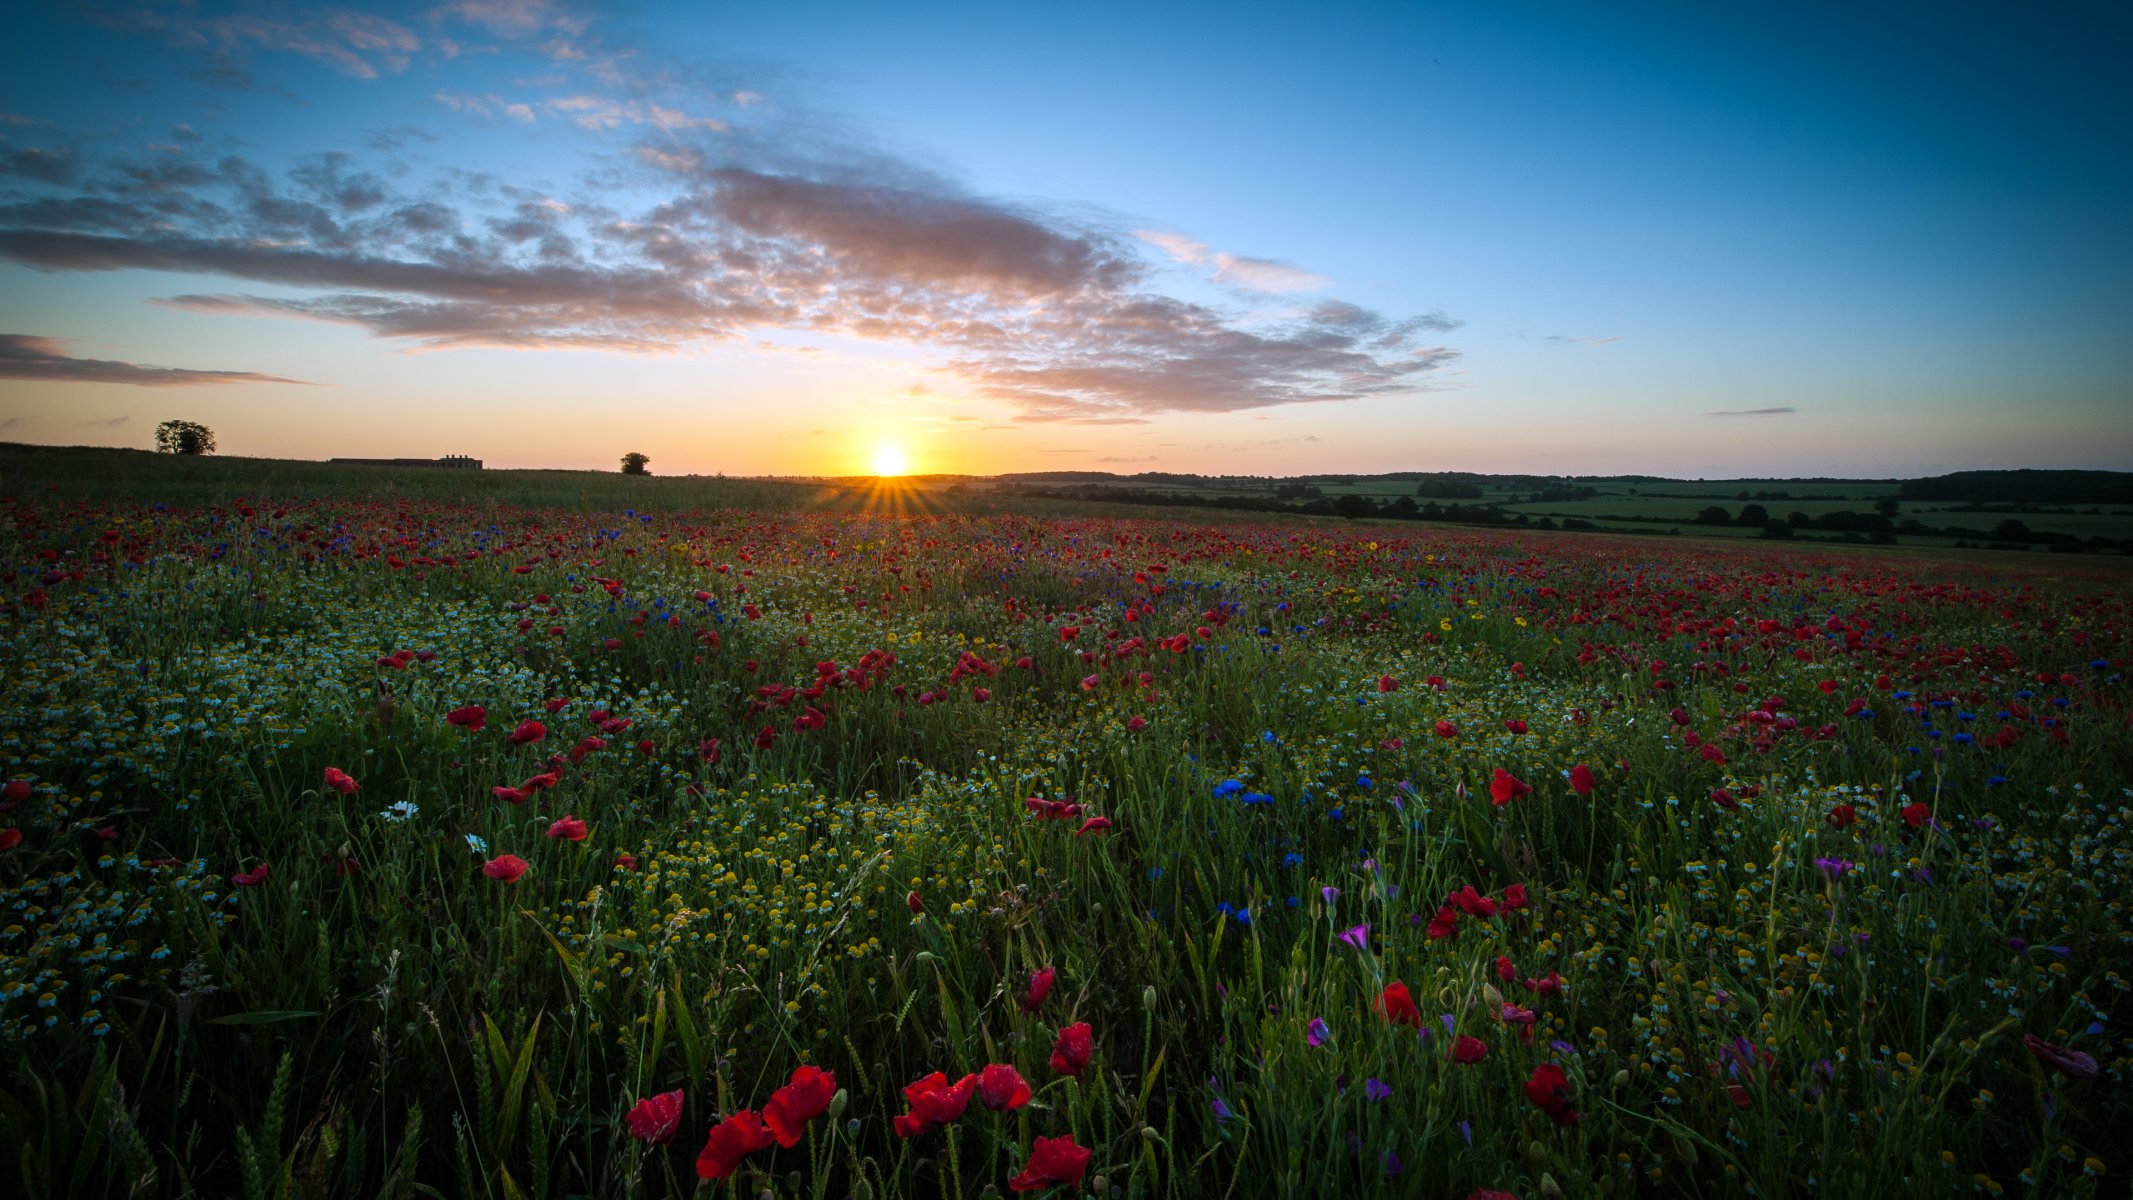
(266,1016)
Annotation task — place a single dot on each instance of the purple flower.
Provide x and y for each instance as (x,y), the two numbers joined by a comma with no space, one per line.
(1330,892)
(1833,868)
(1358,937)
(1466,1130)
(1222,1111)
(1393,1165)
(1376,1089)
(1316,1033)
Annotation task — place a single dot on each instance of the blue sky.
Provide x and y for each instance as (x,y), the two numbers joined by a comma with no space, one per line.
(779,238)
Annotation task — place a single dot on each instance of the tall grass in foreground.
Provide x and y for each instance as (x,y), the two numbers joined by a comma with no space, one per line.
(1788,940)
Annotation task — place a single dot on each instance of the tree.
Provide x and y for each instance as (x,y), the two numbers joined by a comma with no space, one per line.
(634,463)
(1888,506)
(1753,514)
(1352,506)
(184,437)
(1714,515)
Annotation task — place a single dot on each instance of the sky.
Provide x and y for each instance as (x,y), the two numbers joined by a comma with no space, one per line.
(795,238)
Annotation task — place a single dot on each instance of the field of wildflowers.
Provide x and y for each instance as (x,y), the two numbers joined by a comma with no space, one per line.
(359,847)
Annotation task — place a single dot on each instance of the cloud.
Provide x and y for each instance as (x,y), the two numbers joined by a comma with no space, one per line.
(357,44)
(107,422)
(1265,275)
(736,236)
(1558,339)
(1780,411)
(23,356)
(1234,270)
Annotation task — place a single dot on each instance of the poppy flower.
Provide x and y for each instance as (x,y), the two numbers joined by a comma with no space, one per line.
(731,1140)
(1514,897)
(1040,986)
(1387,683)
(2073,1064)
(1093,825)
(654,1119)
(765,739)
(1001,1088)
(934,1103)
(625,861)
(540,783)
(568,827)
(17,791)
(469,717)
(801,1100)
(1445,924)
(1052,1162)
(1723,798)
(1473,903)
(1071,1052)
(1447,730)
(1505,787)
(1915,815)
(528,731)
(511,794)
(505,868)
(1549,1088)
(913,902)
(1842,816)
(1515,725)
(1504,968)
(341,782)
(251,878)
(1466,1051)
(1398,1005)
(1581,780)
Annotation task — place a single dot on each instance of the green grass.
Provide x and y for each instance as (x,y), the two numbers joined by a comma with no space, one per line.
(190,644)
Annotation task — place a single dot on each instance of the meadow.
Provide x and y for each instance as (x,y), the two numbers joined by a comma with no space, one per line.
(374,834)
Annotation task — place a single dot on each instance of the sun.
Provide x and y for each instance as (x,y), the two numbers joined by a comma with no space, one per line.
(889,460)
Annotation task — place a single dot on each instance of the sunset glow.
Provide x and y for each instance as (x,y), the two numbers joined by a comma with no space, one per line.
(1707,243)
(889,460)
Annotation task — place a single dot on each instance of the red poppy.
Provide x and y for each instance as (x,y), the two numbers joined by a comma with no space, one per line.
(340,781)
(1040,986)
(1505,787)
(1445,924)
(1723,798)
(511,794)
(1398,1005)
(568,827)
(528,731)
(1473,903)
(540,783)
(981,695)
(731,1140)
(1071,1052)
(1915,815)
(1093,825)
(764,739)
(1515,725)
(1052,1162)
(1387,683)
(2073,1064)
(17,791)
(1549,1088)
(505,868)
(803,1099)
(625,861)
(1514,897)
(1445,729)
(1001,1088)
(913,902)
(654,1119)
(1581,780)
(1068,633)
(1467,1051)
(1504,970)
(1842,816)
(251,878)
(934,1103)
(469,717)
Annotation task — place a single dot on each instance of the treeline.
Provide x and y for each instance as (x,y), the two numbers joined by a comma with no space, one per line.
(2024,487)
(1399,508)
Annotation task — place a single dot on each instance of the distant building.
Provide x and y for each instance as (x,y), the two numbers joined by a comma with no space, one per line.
(450,462)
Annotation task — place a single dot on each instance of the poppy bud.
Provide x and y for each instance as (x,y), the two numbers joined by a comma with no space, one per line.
(915,903)
(1148,997)
(1622,1078)
(1553,1190)
(837,1103)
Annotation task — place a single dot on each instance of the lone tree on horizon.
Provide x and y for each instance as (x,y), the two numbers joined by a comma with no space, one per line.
(184,437)
(634,463)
